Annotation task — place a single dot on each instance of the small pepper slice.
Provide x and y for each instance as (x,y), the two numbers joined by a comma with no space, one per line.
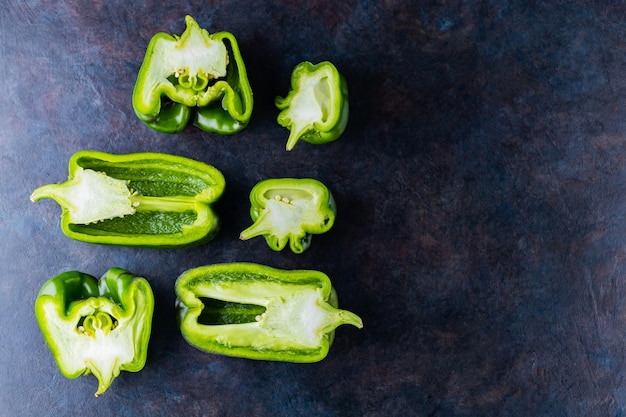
(99,327)
(141,199)
(316,108)
(259,312)
(290,210)
(195,75)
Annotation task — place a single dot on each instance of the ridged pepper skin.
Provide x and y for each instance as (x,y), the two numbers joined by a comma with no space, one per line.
(316,107)
(99,327)
(258,312)
(196,76)
(142,199)
(290,210)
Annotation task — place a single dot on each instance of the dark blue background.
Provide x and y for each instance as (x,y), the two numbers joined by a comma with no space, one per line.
(481,191)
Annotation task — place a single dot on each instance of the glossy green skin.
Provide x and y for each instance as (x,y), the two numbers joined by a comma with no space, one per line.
(317,217)
(320,131)
(256,312)
(226,107)
(156,175)
(62,305)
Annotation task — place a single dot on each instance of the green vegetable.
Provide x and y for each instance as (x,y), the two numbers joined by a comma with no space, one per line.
(96,327)
(196,75)
(316,108)
(258,312)
(141,199)
(290,210)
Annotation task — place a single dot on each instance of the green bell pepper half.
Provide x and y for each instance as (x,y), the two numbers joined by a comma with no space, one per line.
(290,210)
(99,327)
(259,312)
(316,107)
(141,199)
(197,76)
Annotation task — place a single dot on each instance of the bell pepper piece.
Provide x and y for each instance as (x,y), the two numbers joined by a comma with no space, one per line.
(316,107)
(290,210)
(197,76)
(99,327)
(259,312)
(142,199)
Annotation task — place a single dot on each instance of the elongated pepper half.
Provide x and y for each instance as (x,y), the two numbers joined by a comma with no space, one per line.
(196,76)
(259,312)
(142,199)
(316,108)
(99,327)
(290,210)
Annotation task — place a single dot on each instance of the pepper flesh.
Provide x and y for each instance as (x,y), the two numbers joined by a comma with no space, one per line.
(316,107)
(290,210)
(197,75)
(142,199)
(99,327)
(259,312)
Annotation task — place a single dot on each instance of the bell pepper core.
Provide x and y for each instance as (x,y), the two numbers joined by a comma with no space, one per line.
(259,312)
(316,107)
(142,199)
(99,327)
(290,210)
(196,75)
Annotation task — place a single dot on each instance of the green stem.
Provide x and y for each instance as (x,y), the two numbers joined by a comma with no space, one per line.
(338,317)
(260,227)
(53,191)
(294,136)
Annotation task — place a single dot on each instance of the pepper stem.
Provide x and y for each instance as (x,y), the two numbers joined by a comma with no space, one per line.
(348,317)
(337,317)
(294,136)
(260,227)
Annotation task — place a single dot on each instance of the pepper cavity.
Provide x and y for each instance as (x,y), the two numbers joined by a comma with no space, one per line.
(97,323)
(220,312)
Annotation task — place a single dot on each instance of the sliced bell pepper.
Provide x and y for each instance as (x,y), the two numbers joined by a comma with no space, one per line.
(196,75)
(259,312)
(142,199)
(290,210)
(99,327)
(316,107)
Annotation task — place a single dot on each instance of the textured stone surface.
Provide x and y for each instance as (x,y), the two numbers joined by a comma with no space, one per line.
(480,185)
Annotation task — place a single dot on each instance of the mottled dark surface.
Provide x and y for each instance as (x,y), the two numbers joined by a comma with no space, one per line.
(481,187)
